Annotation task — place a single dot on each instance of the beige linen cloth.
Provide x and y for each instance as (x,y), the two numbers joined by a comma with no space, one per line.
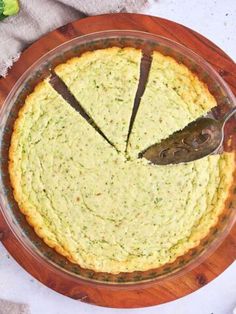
(37,17)
(8,307)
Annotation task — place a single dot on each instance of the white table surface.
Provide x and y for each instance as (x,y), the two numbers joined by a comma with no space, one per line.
(215,19)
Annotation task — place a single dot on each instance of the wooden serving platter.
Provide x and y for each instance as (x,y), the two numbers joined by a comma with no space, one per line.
(136,295)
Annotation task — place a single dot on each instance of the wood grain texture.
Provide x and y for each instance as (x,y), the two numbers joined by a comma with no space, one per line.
(138,295)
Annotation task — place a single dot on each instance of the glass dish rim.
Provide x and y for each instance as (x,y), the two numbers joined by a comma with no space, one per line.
(98,36)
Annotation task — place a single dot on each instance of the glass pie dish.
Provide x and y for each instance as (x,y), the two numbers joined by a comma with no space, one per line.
(41,69)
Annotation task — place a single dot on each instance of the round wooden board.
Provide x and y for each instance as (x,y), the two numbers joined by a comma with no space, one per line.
(138,295)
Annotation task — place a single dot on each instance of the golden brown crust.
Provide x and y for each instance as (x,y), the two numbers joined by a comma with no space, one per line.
(33,221)
(60,68)
(194,78)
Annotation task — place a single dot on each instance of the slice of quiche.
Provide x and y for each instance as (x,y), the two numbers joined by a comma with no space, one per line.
(173,98)
(105,82)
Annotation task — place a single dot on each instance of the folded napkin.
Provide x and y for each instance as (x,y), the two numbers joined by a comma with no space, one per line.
(39,17)
(8,307)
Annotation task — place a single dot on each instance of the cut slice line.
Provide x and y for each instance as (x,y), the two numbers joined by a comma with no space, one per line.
(61,88)
(145,67)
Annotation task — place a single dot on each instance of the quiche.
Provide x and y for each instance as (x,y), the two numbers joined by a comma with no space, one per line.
(105,82)
(174,97)
(101,208)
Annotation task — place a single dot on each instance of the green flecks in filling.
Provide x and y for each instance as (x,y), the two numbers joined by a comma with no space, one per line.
(109,98)
(173,98)
(108,213)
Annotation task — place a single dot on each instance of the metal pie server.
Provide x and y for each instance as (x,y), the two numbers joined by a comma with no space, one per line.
(199,139)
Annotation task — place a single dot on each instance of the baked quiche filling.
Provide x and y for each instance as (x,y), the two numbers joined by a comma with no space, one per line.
(105,82)
(100,209)
(174,97)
